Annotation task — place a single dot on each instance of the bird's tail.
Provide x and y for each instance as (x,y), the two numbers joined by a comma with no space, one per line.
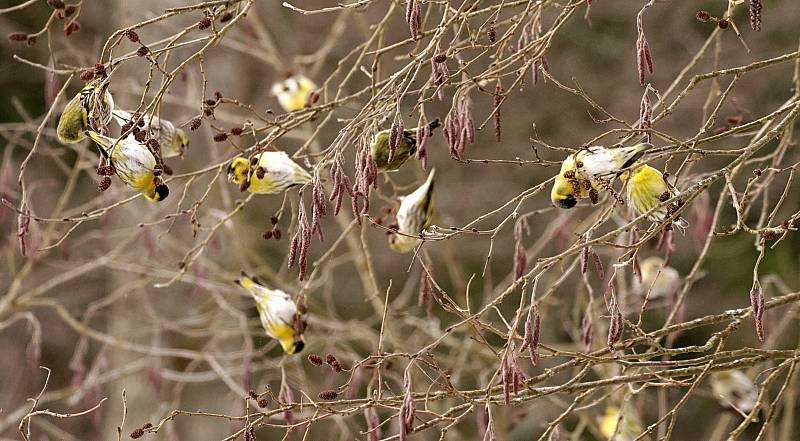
(635,153)
(121,116)
(434,124)
(104,142)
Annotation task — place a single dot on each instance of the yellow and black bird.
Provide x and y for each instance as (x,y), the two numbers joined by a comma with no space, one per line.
(133,163)
(579,172)
(293,92)
(266,173)
(648,189)
(278,312)
(93,101)
(173,140)
(413,216)
(406,147)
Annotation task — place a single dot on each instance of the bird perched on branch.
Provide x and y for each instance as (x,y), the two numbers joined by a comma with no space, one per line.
(293,93)
(581,171)
(266,173)
(279,314)
(658,281)
(173,140)
(648,189)
(406,147)
(93,101)
(735,389)
(134,163)
(413,216)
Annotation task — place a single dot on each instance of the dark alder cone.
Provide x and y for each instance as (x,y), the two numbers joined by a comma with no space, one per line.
(69,10)
(664,196)
(276,233)
(594,196)
(140,136)
(31,40)
(273,220)
(143,51)
(138,433)
(328,395)
(72,28)
(226,17)
(236,131)
(703,16)
(330,359)
(17,36)
(204,23)
(440,58)
(723,24)
(755,15)
(267,235)
(262,403)
(315,359)
(104,184)
(132,35)
(56,4)
(87,75)
(99,70)
(252,394)
(220,137)
(195,124)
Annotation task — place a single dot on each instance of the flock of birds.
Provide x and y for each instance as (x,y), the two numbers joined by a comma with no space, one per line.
(136,160)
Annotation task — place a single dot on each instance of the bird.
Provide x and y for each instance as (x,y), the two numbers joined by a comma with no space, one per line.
(173,140)
(648,189)
(406,147)
(87,103)
(266,173)
(293,92)
(279,314)
(658,281)
(630,426)
(576,179)
(413,216)
(133,163)
(735,389)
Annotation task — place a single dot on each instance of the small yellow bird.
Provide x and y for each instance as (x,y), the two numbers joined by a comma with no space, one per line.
(580,169)
(278,313)
(658,280)
(406,147)
(413,216)
(647,189)
(133,163)
(173,140)
(630,426)
(87,103)
(266,173)
(293,92)
(735,389)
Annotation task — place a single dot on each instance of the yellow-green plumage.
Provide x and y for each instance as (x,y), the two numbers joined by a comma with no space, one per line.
(580,170)
(646,187)
(267,173)
(74,119)
(406,147)
(413,216)
(134,164)
(277,312)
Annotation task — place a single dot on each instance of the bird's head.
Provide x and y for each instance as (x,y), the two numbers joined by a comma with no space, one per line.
(237,170)
(181,140)
(157,191)
(293,345)
(563,195)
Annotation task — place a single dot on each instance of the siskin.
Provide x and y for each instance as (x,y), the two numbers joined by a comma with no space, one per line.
(630,426)
(266,173)
(734,389)
(647,189)
(74,119)
(578,170)
(413,216)
(406,147)
(278,312)
(293,92)
(133,163)
(658,280)
(173,140)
